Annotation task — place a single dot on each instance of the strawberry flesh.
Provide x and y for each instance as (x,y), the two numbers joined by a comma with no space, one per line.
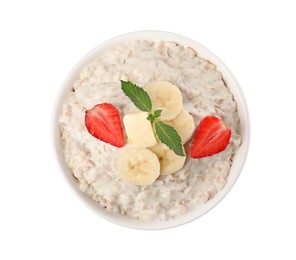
(103,121)
(212,136)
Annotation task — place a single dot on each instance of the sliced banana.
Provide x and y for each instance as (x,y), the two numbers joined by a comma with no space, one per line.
(138,166)
(183,124)
(166,96)
(169,161)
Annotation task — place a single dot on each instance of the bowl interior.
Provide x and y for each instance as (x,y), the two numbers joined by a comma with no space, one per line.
(239,158)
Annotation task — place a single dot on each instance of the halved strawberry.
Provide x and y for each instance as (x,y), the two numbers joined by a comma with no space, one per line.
(212,136)
(103,122)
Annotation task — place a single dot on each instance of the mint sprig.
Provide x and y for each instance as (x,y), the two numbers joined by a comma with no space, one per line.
(156,114)
(169,136)
(165,133)
(137,95)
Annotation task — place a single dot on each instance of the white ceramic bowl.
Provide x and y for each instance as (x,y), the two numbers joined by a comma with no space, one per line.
(239,158)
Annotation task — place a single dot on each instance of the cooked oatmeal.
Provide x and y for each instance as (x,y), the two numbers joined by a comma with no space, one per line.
(93,163)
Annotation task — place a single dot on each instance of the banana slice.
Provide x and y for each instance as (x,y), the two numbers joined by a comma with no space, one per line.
(165,96)
(183,124)
(138,166)
(169,161)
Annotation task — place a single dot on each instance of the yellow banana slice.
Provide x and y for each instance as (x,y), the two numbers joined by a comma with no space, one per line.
(165,96)
(183,124)
(138,166)
(169,161)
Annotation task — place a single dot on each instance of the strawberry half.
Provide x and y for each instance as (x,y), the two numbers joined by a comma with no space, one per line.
(103,122)
(212,136)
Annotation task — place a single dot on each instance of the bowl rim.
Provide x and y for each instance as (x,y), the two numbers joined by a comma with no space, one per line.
(231,82)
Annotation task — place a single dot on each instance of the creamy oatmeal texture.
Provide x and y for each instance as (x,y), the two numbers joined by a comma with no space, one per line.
(94,162)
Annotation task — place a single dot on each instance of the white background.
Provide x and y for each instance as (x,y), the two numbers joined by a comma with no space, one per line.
(41,218)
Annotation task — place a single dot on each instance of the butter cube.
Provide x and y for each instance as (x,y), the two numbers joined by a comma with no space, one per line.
(139,130)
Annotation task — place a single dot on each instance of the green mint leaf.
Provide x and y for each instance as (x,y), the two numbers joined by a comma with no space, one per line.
(157,113)
(137,95)
(150,118)
(169,136)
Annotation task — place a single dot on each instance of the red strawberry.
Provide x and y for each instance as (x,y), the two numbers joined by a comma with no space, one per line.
(103,122)
(212,136)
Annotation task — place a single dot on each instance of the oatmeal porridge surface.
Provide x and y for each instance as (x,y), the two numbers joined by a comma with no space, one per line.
(93,163)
